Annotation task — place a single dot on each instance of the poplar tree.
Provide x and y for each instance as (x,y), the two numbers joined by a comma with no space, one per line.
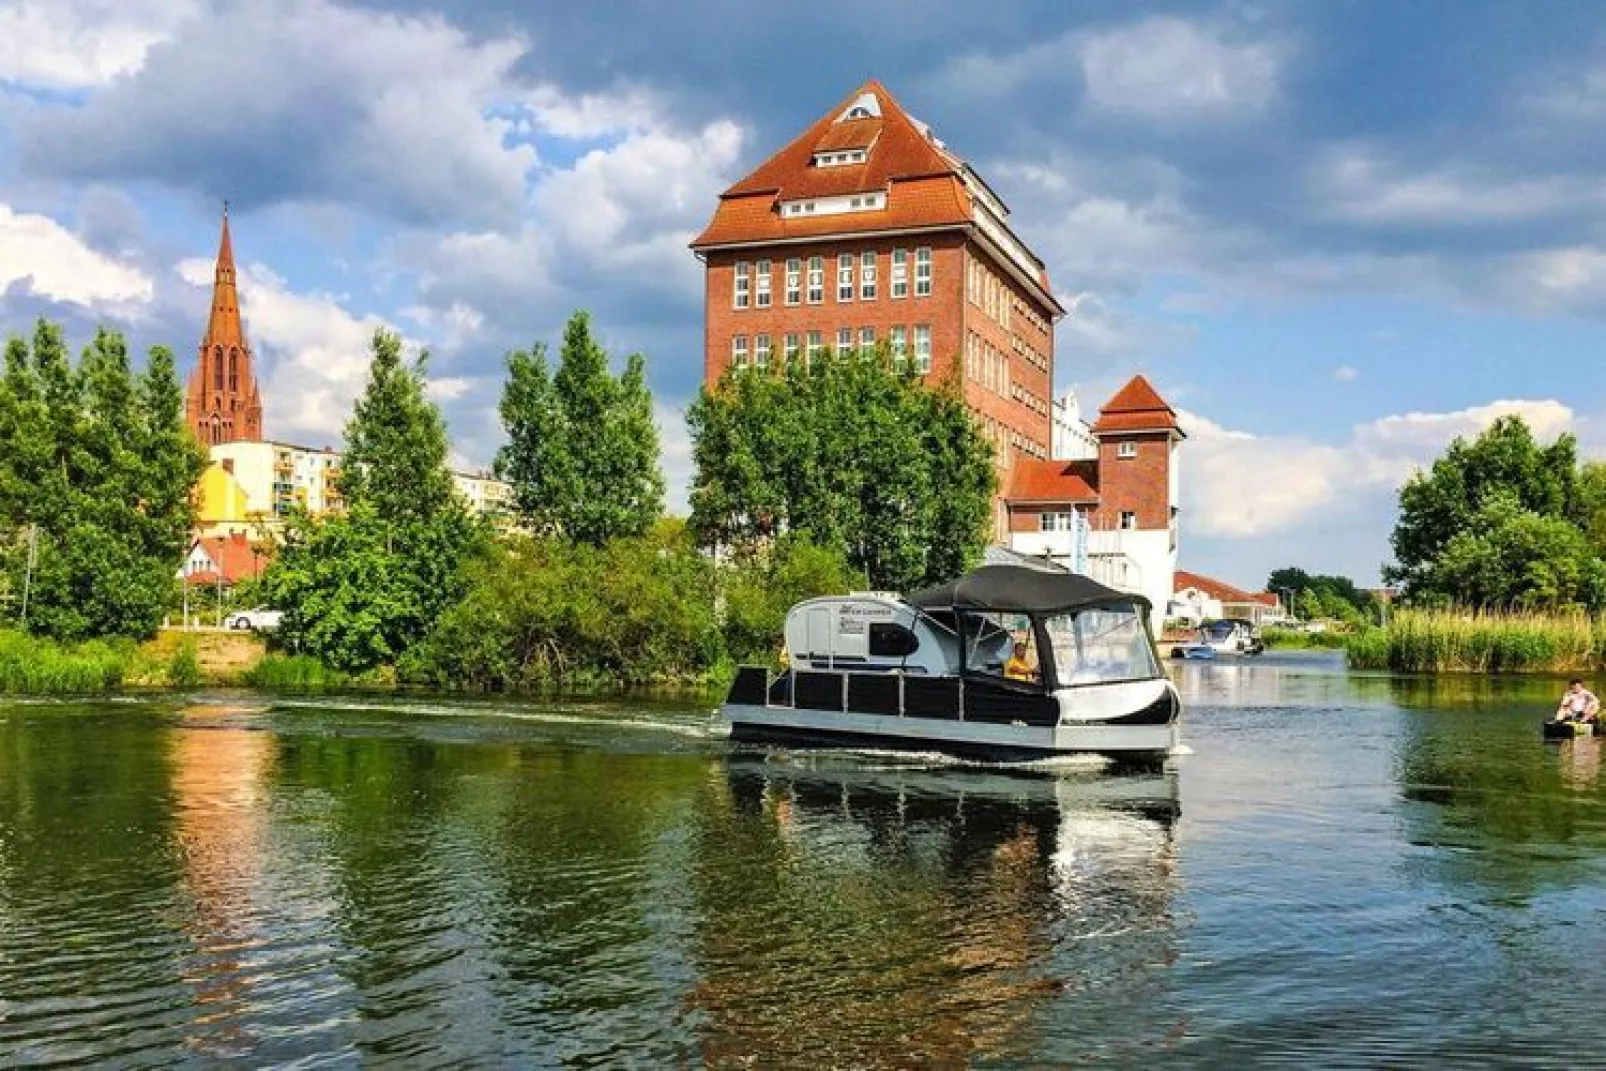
(582,451)
(361,588)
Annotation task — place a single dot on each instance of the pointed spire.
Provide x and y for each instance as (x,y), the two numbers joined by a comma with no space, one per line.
(223,402)
(224,326)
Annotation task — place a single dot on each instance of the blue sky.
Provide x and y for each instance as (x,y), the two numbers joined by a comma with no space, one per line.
(1334,235)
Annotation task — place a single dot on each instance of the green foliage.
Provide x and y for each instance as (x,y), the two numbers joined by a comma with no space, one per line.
(762,588)
(1300,639)
(549,611)
(1499,501)
(582,451)
(1323,597)
(851,449)
(30,665)
(1430,641)
(184,666)
(98,461)
(294,673)
(359,589)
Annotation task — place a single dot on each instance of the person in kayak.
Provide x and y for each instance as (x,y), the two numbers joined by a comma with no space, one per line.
(1577,703)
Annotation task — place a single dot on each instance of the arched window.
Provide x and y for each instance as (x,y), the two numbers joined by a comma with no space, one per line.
(234,370)
(217,368)
(217,425)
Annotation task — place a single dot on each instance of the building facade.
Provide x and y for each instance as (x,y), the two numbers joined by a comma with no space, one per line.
(222,403)
(867,229)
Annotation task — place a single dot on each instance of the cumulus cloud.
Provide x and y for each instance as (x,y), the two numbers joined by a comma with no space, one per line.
(1166,67)
(1239,484)
(41,255)
(76,44)
(272,101)
(1346,373)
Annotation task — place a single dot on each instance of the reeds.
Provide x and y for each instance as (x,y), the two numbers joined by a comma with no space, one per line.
(32,666)
(1438,641)
(294,672)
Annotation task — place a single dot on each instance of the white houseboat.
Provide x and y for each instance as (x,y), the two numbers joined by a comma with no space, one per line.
(1007,663)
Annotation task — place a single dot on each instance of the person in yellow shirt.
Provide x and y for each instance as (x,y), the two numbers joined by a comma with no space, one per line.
(1018,668)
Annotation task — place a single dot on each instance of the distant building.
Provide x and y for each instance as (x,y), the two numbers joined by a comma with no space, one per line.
(1073,439)
(222,403)
(226,559)
(1201,598)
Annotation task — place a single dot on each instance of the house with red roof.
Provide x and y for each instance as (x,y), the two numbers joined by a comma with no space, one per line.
(228,558)
(1202,598)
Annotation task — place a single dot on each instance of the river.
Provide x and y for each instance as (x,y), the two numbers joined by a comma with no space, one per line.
(1347,871)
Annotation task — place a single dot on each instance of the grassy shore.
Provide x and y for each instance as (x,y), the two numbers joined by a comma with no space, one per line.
(1299,639)
(1449,641)
(30,665)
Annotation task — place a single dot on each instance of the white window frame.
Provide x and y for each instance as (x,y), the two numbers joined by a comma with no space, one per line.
(794,281)
(761,351)
(816,280)
(1126,451)
(900,344)
(923,271)
(922,348)
(866,337)
(844,278)
(738,351)
(900,273)
(844,339)
(761,285)
(791,345)
(1129,521)
(816,344)
(742,292)
(867,278)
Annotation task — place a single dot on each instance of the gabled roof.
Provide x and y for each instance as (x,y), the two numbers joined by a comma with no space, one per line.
(1046,481)
(1137,407)
(1218,590)
(232,555)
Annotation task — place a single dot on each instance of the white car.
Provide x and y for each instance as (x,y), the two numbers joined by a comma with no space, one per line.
(261,619)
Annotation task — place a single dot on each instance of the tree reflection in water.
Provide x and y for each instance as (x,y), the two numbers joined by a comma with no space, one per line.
(855,913)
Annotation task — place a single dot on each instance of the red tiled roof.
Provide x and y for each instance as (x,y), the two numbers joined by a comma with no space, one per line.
(234,555)
(1136,407)
(1042,480)
(849,134)
(1216,589)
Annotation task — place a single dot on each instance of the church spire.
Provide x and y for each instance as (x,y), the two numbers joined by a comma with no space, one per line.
(223,404)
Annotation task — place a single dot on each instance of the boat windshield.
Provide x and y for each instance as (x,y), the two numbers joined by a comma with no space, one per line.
(1101,644)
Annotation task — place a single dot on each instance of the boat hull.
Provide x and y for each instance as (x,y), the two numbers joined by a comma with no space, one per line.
(1566,730)
(967,739)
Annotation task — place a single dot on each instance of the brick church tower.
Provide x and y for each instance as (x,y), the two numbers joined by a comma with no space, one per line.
(222,403)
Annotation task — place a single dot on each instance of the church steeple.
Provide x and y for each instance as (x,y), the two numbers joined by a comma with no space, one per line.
(223,404)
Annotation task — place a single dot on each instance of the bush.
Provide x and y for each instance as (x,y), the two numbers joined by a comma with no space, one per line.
(34,666)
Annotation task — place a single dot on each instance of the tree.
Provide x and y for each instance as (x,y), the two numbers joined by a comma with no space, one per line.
(361,588)
(582,451)
(1437,505)
(100,464)
(1324,596)
(851,449)
(1512,558)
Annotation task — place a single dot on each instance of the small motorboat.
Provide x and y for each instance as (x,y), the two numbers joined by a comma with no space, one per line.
(1008,662)
(1199,651)
(1229,636)
(1555,729)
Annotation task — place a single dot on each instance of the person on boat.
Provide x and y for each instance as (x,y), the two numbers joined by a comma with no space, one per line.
(1578,703)
(1018,668)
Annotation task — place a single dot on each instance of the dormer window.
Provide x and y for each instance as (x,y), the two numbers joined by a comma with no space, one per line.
(841,157)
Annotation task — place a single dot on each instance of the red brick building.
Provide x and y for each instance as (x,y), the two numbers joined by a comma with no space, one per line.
(866,229)
(222,403)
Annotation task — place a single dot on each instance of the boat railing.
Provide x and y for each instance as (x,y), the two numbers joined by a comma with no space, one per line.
(893,694)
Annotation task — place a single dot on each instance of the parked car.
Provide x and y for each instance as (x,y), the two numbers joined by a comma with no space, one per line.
(261,619)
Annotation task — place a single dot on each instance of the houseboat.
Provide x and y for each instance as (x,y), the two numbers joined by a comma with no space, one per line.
(1007,663)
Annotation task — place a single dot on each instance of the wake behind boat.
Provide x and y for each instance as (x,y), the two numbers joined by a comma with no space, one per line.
(1007,663)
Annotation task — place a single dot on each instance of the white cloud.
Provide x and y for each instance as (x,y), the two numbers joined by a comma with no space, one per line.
(41,254)
(674,451)
(1238,484)
(1165,67)
(1345,373)
(75,44)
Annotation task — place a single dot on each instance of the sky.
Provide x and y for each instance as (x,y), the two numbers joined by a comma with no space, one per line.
(1335,236)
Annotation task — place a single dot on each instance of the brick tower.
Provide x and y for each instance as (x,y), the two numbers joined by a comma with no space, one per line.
(222,403)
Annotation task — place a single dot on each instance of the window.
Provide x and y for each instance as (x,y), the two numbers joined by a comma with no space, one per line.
(816,344)
(844,277)
(1058,522)
(867,277)
(794,281)
(900,273)
(992,641)
(1107,643)
(816,280)
(923,348)
(1129,520)
(898,345)
(844,339)
(973,282)
(739,351)
(866,337)
(970,356)
(761,351)
(1127,450)
(923,272)
(217,368)
(744,283)
(791,346)
(761,295)
(234,370)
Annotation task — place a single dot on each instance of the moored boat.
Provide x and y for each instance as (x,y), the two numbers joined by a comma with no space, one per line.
(1007,663)
(1555,729)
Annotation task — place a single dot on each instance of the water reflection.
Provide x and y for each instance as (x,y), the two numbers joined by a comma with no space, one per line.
(883,914)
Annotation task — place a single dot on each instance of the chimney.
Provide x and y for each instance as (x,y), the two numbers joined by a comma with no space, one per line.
(228,465)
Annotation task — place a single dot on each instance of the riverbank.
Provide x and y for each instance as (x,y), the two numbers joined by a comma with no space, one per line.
(1450,641)
(30,665)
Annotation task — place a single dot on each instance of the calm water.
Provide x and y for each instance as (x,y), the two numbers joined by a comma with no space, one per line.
(1347,871)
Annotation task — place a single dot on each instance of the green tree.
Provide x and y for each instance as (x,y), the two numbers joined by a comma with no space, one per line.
(359,589)
(582,450)
(1437,505)
(761,588)
(851,449)
(1510,557)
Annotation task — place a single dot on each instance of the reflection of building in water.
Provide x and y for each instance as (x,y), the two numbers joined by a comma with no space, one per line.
(219,779)
(856,916)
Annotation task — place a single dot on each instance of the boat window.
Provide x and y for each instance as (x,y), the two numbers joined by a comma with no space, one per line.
(1001,645)
(892,640)
(1105,643)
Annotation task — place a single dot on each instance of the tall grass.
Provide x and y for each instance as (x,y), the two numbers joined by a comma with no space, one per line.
(31,666)
(1299,639)
(1434,641)
(294,672)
